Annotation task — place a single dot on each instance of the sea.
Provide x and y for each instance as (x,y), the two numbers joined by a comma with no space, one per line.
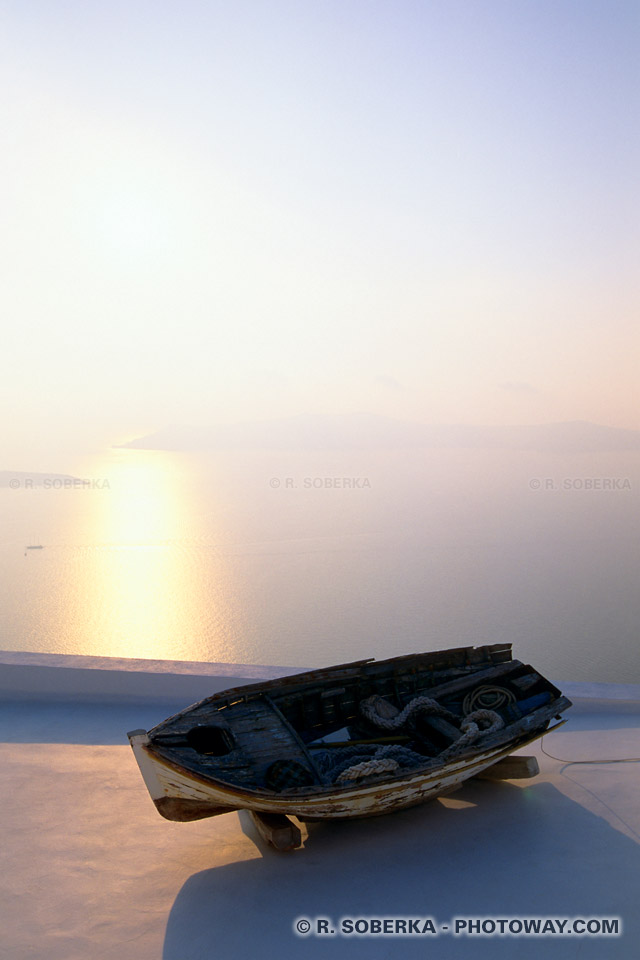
(309,558)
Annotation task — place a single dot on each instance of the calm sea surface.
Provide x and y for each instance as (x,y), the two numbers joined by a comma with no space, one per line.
(309,559)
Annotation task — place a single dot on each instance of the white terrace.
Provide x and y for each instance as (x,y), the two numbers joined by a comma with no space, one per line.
(92,872)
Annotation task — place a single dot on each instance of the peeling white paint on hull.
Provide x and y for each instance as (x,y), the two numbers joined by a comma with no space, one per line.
(180,796)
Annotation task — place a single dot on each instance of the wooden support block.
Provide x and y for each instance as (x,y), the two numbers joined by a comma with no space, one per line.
(511,768)
(277,830)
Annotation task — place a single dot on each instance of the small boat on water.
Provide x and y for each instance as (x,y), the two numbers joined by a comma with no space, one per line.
(355,740)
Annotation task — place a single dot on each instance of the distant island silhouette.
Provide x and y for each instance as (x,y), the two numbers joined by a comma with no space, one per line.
(370,431)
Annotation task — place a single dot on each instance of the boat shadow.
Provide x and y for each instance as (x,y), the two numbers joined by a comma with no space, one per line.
(492,850)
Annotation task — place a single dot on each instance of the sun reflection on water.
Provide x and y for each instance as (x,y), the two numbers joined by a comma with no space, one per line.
(144,592)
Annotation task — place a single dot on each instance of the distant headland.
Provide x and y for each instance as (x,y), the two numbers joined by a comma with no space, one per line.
(370,431)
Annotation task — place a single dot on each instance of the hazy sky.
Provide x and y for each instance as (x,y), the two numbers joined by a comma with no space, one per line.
(217,211)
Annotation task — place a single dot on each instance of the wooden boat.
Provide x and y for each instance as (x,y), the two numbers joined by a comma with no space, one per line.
(355,740)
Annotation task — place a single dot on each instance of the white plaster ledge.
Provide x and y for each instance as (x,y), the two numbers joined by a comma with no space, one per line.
(44,676)
(51,676)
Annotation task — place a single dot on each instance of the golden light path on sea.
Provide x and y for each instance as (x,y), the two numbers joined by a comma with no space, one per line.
(144,591)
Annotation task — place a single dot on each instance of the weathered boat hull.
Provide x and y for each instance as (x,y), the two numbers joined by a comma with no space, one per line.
(181,797)
(200,788)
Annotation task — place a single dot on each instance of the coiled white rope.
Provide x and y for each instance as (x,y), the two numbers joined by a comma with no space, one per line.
(487,698)
(373,707)
(370,768)
(471,731)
